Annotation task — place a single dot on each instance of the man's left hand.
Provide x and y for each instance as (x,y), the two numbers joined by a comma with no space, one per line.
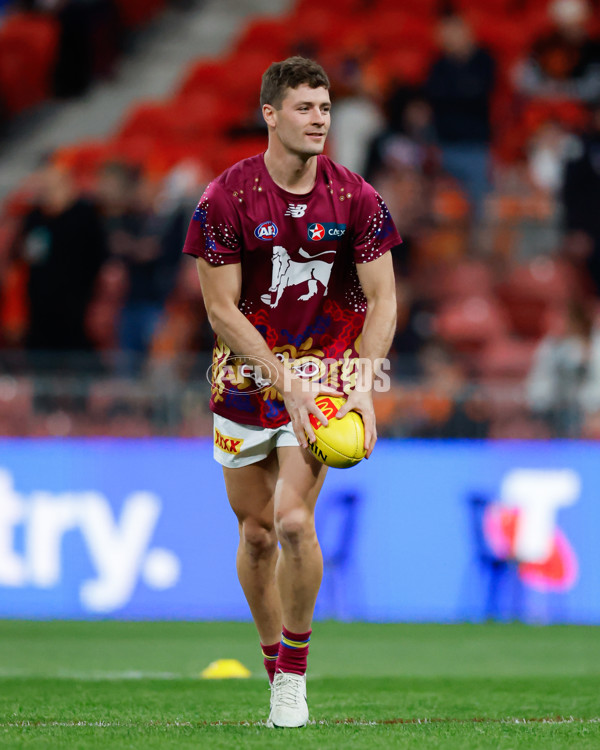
(362,402)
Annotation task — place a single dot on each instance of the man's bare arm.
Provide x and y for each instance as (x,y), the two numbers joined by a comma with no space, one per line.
(379,287)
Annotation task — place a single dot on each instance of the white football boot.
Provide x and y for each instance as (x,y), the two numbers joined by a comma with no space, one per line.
(288,701)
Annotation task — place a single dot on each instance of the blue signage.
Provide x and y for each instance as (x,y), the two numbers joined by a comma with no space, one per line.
(440,531)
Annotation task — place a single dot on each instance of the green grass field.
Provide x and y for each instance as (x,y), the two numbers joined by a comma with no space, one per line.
(137,685)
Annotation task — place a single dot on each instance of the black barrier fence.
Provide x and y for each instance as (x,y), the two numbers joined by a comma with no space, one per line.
(74,394)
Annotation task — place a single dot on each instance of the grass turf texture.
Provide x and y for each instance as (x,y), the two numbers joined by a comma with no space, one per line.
(136,685)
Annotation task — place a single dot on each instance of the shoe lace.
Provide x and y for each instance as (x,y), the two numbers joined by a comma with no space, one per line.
(289,690)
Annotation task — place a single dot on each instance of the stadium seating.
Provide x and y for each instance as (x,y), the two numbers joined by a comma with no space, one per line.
(137,12)
(470,323)
(490,309)
(28,49)
(273,35)
(530,291)
(505,359)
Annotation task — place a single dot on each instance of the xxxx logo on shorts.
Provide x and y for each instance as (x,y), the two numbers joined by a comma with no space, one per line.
(228,444)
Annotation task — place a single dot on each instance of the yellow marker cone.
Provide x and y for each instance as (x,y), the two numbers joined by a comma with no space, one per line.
(225,669)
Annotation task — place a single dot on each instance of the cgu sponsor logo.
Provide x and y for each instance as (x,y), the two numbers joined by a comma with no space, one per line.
(118,548)
(326,231)
(266,231)
(228,444)
(522,526)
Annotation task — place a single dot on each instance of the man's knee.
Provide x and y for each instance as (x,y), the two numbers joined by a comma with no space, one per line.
(259,541)
(294,526)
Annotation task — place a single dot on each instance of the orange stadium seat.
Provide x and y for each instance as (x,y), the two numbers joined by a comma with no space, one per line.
(28,49)
(203,112)
(136,149)
(14,303)
(414,7)
(471,323)
(236,150)
(162,157)
(316,24)
(572,114)
(242,75)
(149,118)
(393,29)
(9,229)
(507,37)
(505,358)
(405,65)
(203,75)
(347,7)
(137,12)
(266,34)
(84,159)
(461,279)
(531,290)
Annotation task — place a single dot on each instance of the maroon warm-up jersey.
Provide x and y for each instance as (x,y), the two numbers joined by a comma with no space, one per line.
(300,288)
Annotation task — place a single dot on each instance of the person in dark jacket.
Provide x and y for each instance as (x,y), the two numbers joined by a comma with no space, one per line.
(581,202)
(459,87)
(63,242)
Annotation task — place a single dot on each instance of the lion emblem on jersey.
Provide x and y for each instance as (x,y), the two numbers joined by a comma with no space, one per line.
(288,273)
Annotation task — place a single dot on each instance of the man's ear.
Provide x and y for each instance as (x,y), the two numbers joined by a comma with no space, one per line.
(268,112)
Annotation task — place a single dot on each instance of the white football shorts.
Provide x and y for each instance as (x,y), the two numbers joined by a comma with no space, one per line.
(237,445)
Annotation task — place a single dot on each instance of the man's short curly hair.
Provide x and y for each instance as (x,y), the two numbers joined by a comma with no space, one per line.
(289,74)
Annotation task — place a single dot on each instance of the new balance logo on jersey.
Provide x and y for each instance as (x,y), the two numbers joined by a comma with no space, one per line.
(297,210)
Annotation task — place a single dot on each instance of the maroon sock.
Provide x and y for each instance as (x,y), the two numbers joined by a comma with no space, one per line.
(270,661)
(293,652)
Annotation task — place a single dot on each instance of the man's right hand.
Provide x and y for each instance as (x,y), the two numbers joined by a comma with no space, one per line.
(299,399)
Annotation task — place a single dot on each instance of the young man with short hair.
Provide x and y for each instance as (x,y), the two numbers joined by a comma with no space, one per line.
(292,254)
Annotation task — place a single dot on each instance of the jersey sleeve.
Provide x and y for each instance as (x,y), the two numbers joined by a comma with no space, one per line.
(214,231)
(374,230)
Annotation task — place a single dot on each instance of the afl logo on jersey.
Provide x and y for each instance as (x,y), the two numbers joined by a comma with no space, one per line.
(266,231)
(316,232)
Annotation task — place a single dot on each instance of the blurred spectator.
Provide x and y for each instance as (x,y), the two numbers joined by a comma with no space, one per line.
(4,116)
(547,154)
(564,383)
(89,44)
(63,242)
(356,119)
(148,245)
(565,62)
(446,404)
(401,162)
(459,87)
(581,201)
(413,328)
(407,142)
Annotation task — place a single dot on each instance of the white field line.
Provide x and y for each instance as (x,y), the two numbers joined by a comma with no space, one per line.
(323,723)
(96,676)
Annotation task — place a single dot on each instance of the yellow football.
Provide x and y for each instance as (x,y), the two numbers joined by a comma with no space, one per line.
(340,444)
